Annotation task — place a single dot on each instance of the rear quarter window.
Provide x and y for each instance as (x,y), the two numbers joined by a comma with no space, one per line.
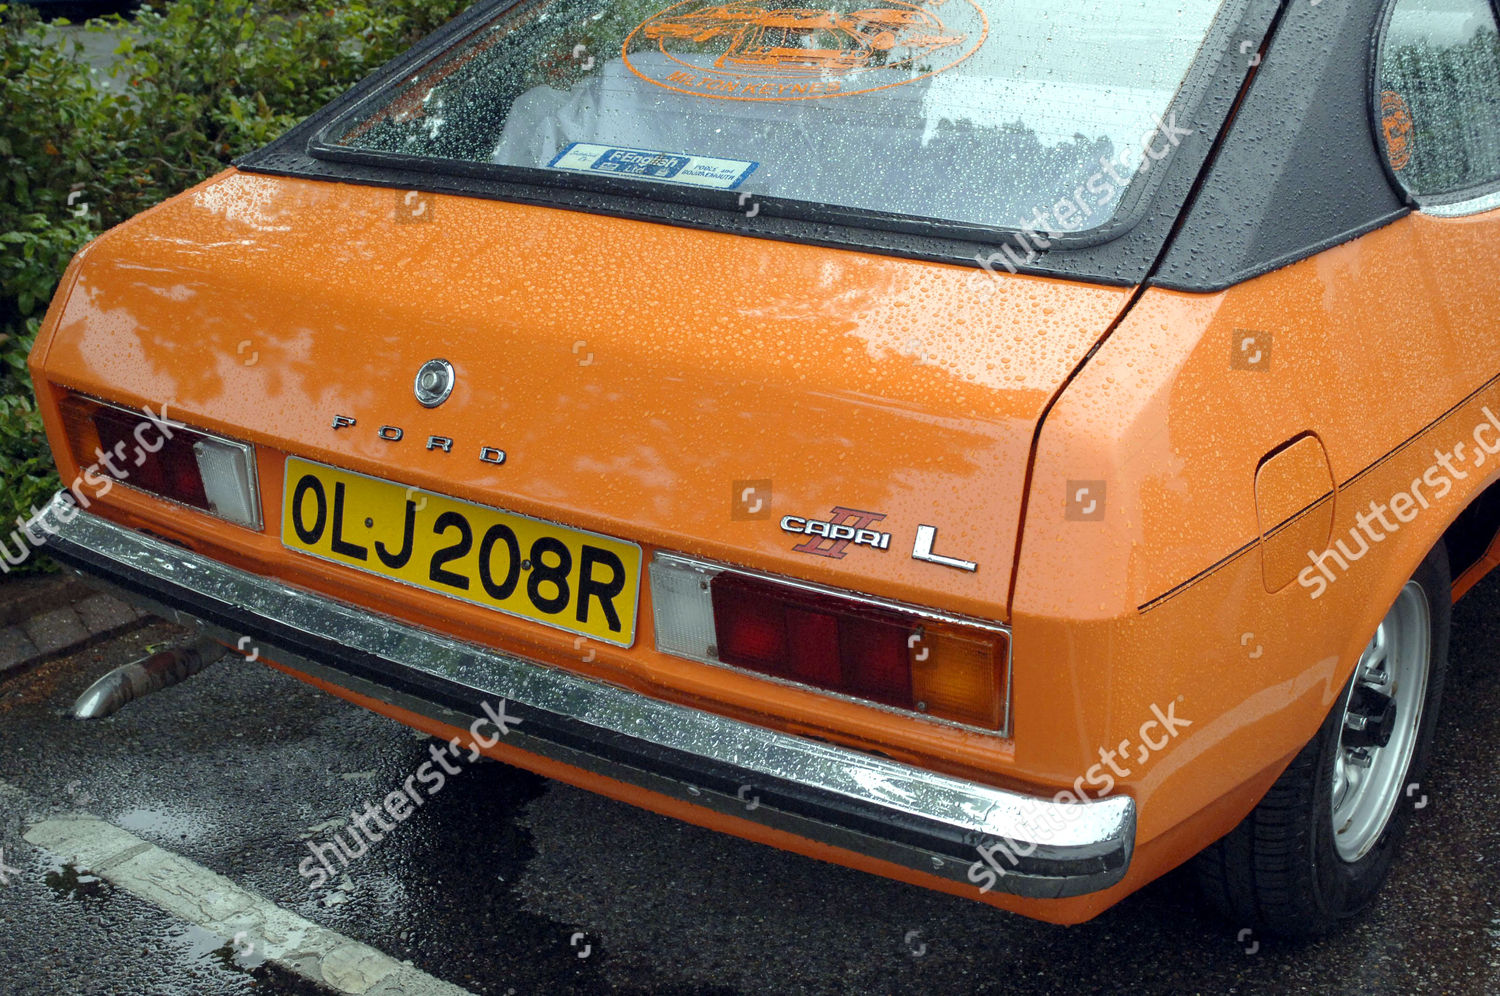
(1438,95)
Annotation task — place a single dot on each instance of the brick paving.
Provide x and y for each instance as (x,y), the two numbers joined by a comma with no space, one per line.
(47,616)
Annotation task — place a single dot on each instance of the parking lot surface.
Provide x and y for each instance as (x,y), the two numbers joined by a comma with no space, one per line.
(210,793)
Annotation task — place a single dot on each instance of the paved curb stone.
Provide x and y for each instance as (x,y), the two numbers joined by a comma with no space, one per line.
(52,630)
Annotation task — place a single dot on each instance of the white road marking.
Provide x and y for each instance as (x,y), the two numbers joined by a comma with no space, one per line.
(211,901)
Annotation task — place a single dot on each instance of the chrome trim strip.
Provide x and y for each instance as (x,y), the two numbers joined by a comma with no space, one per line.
(853,801)
(1459,209)
(845,594)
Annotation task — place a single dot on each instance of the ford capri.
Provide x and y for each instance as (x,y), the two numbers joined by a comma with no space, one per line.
(1012,448)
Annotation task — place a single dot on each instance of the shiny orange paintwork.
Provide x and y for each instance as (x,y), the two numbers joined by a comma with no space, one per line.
(634,372)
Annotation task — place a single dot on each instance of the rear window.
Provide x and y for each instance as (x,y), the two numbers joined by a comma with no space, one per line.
(996,113)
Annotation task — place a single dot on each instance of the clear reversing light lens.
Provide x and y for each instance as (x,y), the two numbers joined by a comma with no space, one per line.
(871,649)
(684,610)
(228,472)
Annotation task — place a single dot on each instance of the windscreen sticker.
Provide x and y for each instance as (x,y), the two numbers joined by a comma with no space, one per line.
(696,171)
(742,51)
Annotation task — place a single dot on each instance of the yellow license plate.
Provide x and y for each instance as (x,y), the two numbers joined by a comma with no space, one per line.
(573,580)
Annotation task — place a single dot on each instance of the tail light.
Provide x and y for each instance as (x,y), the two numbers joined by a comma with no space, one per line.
(153,454)
(884,652)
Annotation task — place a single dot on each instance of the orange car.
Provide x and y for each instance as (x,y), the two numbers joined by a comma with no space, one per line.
(1012,469)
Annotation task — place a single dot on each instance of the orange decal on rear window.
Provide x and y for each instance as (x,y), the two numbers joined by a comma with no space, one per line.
(749,52)
(1395,121)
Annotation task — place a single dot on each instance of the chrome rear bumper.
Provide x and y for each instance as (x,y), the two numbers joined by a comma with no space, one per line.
(854,801)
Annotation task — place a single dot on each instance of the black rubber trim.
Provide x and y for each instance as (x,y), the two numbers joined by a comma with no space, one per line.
(1173,280)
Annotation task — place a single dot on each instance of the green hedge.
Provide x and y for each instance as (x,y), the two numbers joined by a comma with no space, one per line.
(203,81)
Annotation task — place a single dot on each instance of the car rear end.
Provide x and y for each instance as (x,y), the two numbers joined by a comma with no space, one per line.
(529,413)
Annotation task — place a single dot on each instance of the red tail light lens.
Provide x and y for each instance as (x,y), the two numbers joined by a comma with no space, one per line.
(171,471)
(817,640)
(866,648)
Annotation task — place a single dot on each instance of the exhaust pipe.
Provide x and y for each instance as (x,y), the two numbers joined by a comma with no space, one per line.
(138,679)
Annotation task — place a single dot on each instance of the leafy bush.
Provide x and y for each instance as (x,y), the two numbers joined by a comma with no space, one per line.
(199,82)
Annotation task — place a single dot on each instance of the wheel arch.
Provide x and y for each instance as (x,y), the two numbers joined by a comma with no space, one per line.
(1473,538)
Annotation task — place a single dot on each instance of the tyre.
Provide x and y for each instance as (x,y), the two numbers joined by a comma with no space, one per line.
(1318,847)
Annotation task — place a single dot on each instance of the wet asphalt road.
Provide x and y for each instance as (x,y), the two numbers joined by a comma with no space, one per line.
(490,884)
